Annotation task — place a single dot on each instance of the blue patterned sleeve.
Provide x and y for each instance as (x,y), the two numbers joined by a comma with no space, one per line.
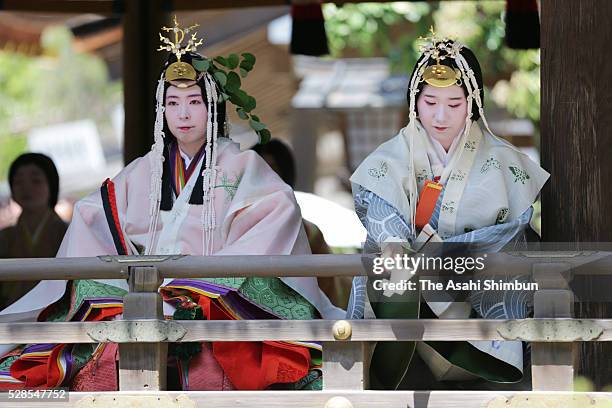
(495,237)
(381,221)
(500,304)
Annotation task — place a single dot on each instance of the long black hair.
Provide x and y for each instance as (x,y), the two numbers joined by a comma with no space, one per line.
(47,166)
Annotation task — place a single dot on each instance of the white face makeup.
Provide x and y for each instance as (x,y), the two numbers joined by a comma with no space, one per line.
(186,115)
(442,112)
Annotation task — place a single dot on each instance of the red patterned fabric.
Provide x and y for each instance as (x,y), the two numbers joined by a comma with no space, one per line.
(225,365)
(100,373)
(105,313)
(38,371)
(253,365)
(257,365)
(205,373)
(44,371)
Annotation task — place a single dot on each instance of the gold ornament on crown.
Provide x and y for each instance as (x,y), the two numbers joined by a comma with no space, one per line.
(179,70)
(439,75)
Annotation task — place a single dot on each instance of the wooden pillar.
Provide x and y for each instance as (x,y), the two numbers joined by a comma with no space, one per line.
(576,126)
(345,366)
(142,366)
(142,20)
(304,128)
(552,363)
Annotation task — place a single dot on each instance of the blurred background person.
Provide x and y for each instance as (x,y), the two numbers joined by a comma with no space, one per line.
(39,231)
(280,158)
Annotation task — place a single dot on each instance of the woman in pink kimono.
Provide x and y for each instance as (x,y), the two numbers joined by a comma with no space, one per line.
(195,193)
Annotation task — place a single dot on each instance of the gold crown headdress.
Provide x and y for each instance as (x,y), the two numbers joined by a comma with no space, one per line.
(179,70)
(440,75)
(220,82)
(223,73)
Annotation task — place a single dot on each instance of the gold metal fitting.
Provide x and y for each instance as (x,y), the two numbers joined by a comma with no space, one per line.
(438,75)
(180,71)
(342,330)
(441,76)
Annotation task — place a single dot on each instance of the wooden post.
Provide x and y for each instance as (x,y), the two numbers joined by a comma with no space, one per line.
(142,366)
(345,365)
(142,64)
(552,364)
(304,128)
(577,142)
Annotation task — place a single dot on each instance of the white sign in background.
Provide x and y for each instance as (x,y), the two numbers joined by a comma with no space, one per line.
(76,150)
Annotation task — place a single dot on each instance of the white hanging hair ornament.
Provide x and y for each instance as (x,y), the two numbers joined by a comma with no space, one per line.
(183,75)
(441,76)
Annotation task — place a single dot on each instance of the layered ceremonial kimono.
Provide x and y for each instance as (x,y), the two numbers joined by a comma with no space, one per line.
(488,187)
(256,214)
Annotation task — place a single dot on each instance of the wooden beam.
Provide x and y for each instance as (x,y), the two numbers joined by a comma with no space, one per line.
(577,142)
(118,6)
(181,266)
(62,6)
(319,399)
(185,5)
(307,330)
(178,266)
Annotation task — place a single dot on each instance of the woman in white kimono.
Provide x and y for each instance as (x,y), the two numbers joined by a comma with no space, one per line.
(446,177)
(195,193)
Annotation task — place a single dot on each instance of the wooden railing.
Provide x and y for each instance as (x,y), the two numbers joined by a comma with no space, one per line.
(143,334)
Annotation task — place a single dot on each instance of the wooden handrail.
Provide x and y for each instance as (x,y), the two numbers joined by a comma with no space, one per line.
(569,330)
(177,266)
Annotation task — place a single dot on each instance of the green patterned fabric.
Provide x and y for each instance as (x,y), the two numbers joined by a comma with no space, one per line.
(90,289)
(313,381)
(233,283)
(391,360)
(6,364)
(81,354)
(271,294)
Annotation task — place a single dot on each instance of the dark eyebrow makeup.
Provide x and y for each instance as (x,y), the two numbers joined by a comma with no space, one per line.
(456,98)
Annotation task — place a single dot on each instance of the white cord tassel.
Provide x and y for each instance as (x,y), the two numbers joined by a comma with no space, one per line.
(469,73)
(157,163)
(209,175)
(412,129)
(470,97)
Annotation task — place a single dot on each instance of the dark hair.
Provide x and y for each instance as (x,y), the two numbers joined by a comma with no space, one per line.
(283,156)
(46,165)
(221,115)
(474,65)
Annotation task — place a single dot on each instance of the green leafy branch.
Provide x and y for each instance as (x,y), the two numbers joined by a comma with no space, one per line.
(228,72)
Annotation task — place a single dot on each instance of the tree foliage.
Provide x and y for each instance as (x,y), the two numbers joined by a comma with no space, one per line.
(58,86)
(392,30)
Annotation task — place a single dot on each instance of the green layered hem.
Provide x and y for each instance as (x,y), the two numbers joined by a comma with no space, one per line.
(391,360)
